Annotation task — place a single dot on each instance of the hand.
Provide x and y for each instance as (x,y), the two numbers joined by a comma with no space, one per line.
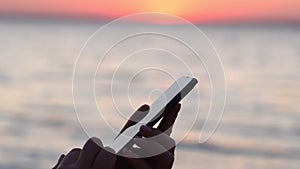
(92,156)
(151,141)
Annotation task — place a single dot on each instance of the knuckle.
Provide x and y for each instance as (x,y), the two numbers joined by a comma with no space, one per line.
(95,140)
(75,150)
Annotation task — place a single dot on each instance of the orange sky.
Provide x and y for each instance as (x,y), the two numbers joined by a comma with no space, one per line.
(193,10)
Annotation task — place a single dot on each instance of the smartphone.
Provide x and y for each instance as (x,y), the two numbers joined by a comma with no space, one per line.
(173,95)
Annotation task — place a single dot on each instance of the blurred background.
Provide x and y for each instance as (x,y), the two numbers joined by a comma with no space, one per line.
(258,42)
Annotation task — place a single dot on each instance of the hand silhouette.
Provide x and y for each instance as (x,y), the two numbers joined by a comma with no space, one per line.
(150,141)
(91,156)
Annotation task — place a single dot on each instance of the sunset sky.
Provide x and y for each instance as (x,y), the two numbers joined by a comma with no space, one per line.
(192,10)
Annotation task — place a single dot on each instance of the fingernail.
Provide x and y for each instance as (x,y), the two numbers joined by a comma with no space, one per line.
(146,128)
(144,107)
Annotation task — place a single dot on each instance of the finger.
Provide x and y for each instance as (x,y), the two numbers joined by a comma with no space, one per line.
(89,152)
(167,122)
(144,155)
(137,151)
(160,137)
(137,116)
(135,160)
(152,148)
(106,159)
(71,157)
(59,161)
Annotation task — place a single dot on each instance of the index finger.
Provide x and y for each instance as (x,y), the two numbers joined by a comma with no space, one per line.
(136,117)
(168,120)
(158,136)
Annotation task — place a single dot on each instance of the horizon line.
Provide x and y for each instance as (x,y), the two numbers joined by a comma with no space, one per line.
(89,18)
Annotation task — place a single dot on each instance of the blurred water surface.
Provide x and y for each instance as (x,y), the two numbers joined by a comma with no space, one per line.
(260,127)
